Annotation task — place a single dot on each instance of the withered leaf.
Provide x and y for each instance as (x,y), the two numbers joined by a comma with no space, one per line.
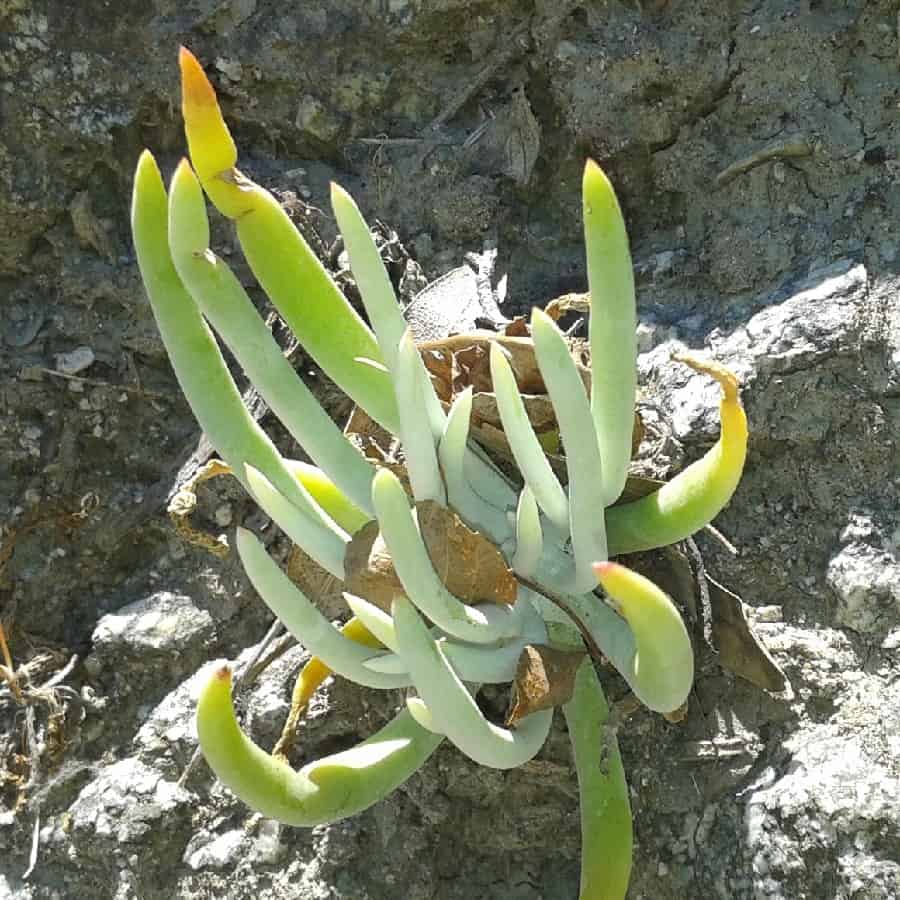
(368,569)
(468,564)
(373,441)
(488,428)
(523,362)
(538,408)
(637,433)
(677,715)
(493,439)
(471,567)
(472,352)
(545,677)
(441,366)
(518,327)
(473,368)
(317,583)
(740,650)
(568,303)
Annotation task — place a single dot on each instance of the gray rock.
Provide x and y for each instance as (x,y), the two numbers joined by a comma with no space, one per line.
(667,96)
(162,625)
(867,583)
(168,736)
(821,318)
(459,302)
(314,118)
(124,802)
(221,852)
(818,321)
(828,824)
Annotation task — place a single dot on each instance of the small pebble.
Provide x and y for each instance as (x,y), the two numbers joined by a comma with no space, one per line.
(768,614)
(31,373)
(892,641)
(224,515)
(75,361)
(92,665)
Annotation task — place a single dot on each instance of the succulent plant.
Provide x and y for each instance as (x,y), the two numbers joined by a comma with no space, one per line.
(556,540)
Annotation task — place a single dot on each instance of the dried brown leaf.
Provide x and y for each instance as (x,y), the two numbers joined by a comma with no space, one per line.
(523,362)
(317,583)
(538,408)
(471,567)
(441,366)
(472,369)
(368,569)
(637,433)
(493,440)
(740,650)
(518,327)
(373,441)
(467,563)
(677,715)
(545,678)
(636,487)
(568,303)
(471,352)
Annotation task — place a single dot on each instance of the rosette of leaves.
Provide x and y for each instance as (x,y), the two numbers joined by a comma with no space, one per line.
(456,575)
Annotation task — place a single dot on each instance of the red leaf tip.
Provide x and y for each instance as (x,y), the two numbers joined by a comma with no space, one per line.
(223,673)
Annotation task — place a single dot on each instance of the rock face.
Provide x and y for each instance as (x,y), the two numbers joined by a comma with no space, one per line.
(755,151)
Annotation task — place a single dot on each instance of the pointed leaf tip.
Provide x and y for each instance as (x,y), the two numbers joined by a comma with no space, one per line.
(211,147)
(195,86)
(146,158)
(223,674)
(540,318)
(147,168)
(184,178)
(593,172)
(339,197)
(610,573)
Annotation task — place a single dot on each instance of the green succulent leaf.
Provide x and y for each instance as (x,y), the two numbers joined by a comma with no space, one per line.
(323,791)
(606,832)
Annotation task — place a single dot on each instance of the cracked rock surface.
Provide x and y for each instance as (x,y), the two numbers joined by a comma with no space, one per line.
(755,151)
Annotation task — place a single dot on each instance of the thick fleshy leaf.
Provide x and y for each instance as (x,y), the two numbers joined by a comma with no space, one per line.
(695,496)
(323,791)
(663,664)
(452,708)
(295,280)
(612,329)
(606,830)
